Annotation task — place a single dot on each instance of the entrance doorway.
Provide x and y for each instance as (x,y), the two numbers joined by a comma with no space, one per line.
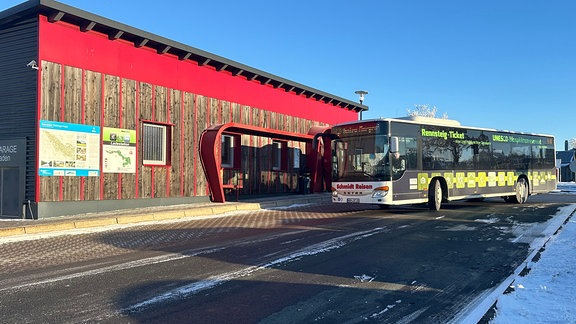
(12,177)
(10,203)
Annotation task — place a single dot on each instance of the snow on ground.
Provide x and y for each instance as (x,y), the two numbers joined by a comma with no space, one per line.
(545,294)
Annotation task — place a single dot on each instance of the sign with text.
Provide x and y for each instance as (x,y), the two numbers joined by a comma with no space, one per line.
(119,150)
(68,149)
(12,152)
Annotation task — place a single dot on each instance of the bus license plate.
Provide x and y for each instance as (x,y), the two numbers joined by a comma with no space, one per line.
(353,200)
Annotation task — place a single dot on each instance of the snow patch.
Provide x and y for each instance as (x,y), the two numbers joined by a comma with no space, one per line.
(364,278)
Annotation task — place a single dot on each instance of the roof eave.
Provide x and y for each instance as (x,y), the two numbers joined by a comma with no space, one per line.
(56,11)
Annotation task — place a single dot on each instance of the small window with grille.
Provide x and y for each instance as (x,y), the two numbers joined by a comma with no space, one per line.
(156,144)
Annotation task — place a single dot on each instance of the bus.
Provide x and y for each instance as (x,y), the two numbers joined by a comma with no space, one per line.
(415,160)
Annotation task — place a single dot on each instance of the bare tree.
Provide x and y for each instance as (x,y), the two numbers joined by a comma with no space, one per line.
(425,110)
(572,142)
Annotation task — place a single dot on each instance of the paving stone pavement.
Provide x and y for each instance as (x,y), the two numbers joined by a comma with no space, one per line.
(109,242)
(13,227)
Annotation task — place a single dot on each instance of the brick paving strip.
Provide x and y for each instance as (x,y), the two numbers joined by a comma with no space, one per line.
(10,228)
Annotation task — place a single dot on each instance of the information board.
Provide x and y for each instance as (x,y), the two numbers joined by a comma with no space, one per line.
(68,149)
(119,150)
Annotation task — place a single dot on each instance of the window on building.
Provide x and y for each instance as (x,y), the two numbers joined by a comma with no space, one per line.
(279,155)
(228,148)
(156,143)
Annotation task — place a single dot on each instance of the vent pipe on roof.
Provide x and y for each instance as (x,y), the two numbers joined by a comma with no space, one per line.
(566,145)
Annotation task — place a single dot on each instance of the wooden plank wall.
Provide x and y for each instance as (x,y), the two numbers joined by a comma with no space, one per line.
(73,112)
(202,122)
(50,110)
(74,95)
(128,182)
(160,112)
(92,116)
(145,113)
(191,161)
(174,173)
(111,118)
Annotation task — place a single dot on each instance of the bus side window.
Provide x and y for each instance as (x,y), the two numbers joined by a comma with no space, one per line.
(409,151)
(501,155)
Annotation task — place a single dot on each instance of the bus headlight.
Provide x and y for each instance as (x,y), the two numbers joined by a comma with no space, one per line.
(380,192)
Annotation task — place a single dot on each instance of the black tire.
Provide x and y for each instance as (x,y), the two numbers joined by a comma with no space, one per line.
(521,191)
(435,195)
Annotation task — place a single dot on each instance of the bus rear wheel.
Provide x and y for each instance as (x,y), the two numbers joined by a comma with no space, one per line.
(435,195)
(521,191)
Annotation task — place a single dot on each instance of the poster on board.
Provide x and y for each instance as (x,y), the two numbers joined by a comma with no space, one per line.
(119,150)
(67,149)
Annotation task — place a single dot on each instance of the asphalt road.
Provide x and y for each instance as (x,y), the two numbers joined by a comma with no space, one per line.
(319,263)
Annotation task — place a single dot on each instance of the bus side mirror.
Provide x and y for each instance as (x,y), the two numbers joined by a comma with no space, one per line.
(394,144)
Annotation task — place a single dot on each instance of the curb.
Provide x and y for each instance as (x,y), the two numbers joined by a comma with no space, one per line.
(479,307)
(295,201)
(4,232)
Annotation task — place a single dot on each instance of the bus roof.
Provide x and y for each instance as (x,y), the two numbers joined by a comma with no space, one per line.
(438,122)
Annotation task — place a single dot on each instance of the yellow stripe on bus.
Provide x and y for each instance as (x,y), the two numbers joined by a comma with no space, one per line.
(483,179)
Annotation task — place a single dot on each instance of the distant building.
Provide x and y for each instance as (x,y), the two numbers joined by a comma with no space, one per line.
(97,115)
(566,157)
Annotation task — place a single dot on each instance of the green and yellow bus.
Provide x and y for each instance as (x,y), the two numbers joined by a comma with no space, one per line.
(428,160)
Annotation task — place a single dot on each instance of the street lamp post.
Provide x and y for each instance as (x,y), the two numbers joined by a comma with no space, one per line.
(361,94)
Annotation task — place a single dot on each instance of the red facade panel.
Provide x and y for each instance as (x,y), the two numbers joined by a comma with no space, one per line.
(66,44)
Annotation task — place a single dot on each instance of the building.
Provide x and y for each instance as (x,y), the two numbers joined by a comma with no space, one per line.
(97,115)
(567,159)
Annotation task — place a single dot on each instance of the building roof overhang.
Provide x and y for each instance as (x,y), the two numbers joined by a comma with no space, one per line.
(56,11)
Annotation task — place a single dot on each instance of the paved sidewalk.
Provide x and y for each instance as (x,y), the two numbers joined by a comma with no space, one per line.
(13,227)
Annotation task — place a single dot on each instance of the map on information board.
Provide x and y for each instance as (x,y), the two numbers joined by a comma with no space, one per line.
(68,149)
(119,150)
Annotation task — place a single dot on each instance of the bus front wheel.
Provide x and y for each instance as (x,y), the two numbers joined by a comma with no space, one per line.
(435,195)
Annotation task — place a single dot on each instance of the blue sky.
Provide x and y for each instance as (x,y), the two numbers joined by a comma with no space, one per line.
(505,64)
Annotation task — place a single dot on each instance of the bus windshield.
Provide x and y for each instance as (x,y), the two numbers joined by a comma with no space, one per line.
(360,158)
